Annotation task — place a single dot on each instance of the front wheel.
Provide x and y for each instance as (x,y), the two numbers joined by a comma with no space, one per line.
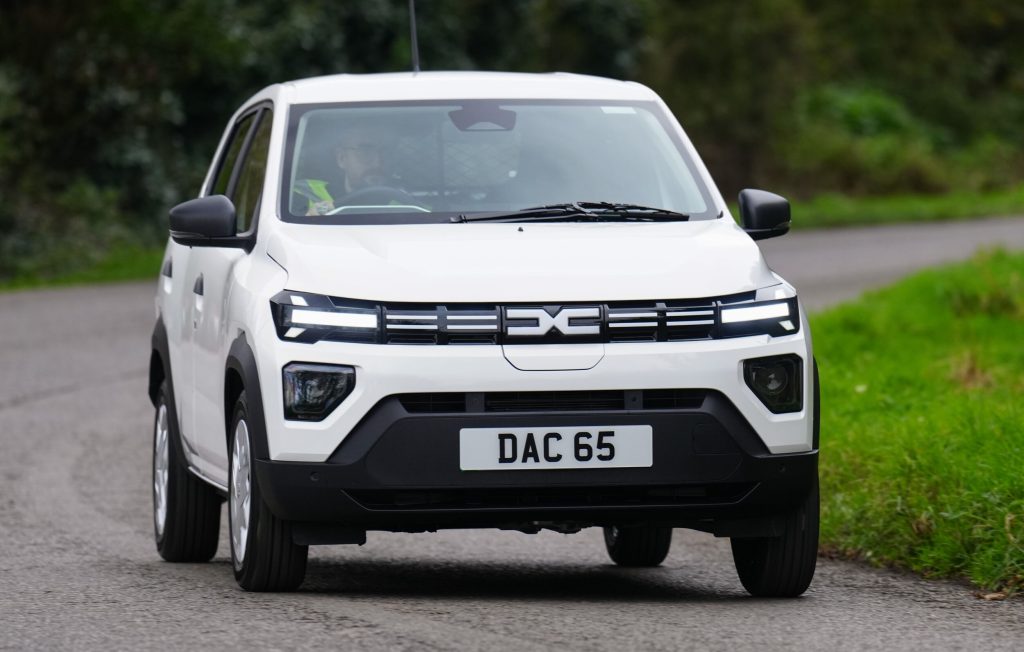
(638,546)
(262,552)
(783,566)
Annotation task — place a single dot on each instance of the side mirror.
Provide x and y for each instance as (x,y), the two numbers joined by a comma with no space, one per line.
(206,222)
(763,214)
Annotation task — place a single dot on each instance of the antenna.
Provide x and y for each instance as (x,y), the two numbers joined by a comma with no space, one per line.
(413,40)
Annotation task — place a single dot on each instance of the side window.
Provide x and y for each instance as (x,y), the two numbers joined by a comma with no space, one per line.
(227,164)
(249,187)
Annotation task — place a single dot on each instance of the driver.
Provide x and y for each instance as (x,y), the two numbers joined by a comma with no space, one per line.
(358,155)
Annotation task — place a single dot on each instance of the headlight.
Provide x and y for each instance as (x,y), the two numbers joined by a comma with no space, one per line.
(774,312)
(312,391)
(305,317)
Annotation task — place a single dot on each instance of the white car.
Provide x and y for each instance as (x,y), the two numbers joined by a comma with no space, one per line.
(408,302)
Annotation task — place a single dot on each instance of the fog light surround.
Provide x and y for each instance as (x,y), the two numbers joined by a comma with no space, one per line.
(312,391)
(777,381)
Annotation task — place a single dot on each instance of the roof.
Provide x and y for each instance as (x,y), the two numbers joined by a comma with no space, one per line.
(461,85)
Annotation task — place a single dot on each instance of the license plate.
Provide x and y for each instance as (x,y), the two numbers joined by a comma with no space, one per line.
(563,447)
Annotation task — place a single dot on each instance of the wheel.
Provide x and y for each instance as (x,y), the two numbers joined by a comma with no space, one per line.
(262,553)
(186,510)
(638,546)
(781,566)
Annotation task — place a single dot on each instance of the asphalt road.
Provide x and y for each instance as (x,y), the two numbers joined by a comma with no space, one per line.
(78,569)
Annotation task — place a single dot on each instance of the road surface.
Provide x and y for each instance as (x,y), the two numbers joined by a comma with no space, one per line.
(78,568)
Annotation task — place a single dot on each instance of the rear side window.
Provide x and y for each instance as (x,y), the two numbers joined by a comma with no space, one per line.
(249,187)
(227,164)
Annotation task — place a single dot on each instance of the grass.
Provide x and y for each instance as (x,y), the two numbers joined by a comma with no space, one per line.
(121,264)
(841,210)
(923,423)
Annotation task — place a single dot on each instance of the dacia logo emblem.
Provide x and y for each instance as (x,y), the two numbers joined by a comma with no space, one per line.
(539,321)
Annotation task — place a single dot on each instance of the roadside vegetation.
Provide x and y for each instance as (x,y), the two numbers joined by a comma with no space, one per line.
(923,424)
(120,263)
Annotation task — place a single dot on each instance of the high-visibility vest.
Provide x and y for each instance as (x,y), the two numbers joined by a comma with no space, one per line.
(315,191)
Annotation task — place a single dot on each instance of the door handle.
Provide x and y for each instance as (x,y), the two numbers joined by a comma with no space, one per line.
(197,291)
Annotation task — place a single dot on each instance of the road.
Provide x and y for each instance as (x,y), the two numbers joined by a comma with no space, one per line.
(78,568)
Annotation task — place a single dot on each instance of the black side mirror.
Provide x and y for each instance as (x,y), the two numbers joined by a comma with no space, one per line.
(206,222)
(763,214)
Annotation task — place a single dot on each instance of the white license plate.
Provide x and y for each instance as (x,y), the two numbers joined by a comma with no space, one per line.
(563,447)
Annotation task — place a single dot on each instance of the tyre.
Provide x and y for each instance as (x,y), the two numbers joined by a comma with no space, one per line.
(186,510)
(781,567)
(263,555)
(638,546)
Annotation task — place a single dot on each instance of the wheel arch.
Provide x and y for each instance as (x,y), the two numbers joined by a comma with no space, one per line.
(242,374)
(160,372)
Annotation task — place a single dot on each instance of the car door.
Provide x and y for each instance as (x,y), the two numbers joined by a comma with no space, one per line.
(214,270)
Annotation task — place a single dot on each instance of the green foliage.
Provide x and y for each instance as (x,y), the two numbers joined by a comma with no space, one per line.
(921,441)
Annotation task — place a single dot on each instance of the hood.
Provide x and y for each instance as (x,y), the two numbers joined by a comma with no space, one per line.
(520,262)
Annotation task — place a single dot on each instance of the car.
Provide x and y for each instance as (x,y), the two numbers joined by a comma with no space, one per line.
(410,302)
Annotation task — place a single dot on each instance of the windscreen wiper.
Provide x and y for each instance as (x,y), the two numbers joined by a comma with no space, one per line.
(591,211)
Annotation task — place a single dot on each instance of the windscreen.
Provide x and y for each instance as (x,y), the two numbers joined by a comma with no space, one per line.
(413,162)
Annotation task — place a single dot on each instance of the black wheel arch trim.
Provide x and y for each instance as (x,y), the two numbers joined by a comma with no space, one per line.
(242,362)
(160,355)
(817,406)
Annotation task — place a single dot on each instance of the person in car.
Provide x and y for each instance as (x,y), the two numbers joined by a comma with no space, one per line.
(359,157)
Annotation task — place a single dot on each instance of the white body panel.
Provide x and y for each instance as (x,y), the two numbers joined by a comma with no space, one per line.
(521,262)
(458,263)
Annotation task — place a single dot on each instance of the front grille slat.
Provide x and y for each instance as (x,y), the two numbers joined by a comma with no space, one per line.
(569,401)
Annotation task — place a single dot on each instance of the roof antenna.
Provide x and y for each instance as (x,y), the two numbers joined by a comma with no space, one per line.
(412,33)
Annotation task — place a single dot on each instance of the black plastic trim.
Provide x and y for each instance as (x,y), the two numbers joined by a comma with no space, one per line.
(161,353)
(242,361)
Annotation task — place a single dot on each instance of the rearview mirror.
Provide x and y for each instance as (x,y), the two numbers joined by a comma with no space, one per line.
(206,222)
(763,214)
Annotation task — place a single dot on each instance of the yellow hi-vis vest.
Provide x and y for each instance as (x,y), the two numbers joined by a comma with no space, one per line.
(315,191)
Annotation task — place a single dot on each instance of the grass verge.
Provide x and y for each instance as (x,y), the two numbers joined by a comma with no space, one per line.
(840,210)
(923,423)
(120,264)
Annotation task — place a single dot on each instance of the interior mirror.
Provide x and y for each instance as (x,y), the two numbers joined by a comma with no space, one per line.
(763,214)
(205,222)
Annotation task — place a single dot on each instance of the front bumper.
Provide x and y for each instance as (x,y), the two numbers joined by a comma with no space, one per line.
(399,470)
(383,371)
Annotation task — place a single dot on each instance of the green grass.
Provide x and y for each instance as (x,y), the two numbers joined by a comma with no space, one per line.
(121,264)
(922,433)
(840,210)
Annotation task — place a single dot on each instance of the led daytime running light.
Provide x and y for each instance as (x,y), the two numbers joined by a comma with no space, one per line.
(755,313)
(340,319)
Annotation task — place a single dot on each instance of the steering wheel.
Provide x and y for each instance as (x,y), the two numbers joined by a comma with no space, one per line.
(376,196)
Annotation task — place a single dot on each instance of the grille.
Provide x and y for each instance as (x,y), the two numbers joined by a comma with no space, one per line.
(553,401)
(673,399)
(656,321)
(527,497)
(578,401)
(441,324)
